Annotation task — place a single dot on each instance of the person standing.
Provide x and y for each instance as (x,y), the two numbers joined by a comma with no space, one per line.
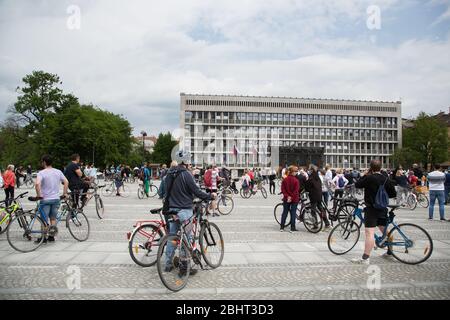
(272,178)
(339,183)
(290,187)
(181,191)
(47,188)
(447,185)
(147,178)
(314,187)
(373,217)
(325,191)
(436,181)
(402,185)
(73,174)
(9,183)
(18,173)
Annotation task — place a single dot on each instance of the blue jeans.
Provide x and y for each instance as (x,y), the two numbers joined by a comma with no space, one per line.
(183,216)
(325,196)
(447,191)
(440,195)
(49,208)
(292,208)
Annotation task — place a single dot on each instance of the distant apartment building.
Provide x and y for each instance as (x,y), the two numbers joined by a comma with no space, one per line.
(247,131)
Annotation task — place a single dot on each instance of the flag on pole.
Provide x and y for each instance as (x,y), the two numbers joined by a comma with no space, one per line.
(254,150)
(235,151)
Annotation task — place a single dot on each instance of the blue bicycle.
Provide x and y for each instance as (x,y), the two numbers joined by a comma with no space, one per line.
(28,230)
(408,242)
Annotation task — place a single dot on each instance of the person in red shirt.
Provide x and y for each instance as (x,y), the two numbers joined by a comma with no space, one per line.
(251,174)
(412,179)
(9,182)
(290,187)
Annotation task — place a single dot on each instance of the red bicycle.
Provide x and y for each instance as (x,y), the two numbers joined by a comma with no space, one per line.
(143,241)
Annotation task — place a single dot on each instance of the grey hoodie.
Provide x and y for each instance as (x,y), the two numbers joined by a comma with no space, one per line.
(184,190)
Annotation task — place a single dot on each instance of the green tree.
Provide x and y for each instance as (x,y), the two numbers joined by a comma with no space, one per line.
(428,140)
(96,135)
(39,97)
(45,120)
(163,148)
(405,157)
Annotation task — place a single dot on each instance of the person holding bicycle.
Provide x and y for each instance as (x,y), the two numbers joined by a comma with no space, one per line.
(290,187)
(181,191)
(373,217)
(47,190)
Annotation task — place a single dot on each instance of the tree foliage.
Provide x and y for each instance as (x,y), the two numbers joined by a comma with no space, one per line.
(45,120)
(425,143)
(163,148)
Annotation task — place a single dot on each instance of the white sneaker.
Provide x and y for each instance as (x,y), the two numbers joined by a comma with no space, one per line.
(360,261)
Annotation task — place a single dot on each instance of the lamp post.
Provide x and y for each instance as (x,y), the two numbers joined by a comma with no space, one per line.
(144,134)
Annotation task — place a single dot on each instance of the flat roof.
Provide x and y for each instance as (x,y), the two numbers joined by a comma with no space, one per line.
(277,97)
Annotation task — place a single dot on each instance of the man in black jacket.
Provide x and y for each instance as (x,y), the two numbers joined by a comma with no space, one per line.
(373,217)
(183,189)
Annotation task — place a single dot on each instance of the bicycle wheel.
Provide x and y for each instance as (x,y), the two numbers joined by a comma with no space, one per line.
(143,245)
(152,191)
(99,208)
(410,243)
(212,244)
(124,191)
(411,202)
(26,232)
(278,212)
(264,192)
(108,190)
(29,184)
(245,193)
(312,220)
(4,222)
(423,200)
(141,192)
(78,225)
(225,205)
(345,210)
(343,237)
(173,262)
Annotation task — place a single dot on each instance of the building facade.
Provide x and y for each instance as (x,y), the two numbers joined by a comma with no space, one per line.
(244,131)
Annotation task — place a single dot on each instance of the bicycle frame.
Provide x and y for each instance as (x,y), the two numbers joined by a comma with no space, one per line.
(379,239)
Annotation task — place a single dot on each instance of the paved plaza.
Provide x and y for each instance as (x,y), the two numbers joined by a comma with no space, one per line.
(260,262)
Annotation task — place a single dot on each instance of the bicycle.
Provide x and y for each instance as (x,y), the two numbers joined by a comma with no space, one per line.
(8,213)
(110,189)
(225,202)
(246,193)
(99,207)
(313,222)
(32,227)
(143,241)
(28,181)
(405,240)
(152,191)
(421,198)
(174,262)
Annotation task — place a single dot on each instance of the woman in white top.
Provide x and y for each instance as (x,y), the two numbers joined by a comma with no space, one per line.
(339,183)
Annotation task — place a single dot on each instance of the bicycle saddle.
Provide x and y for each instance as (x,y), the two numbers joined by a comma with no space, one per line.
(155,211)
(34,198)
(394,206)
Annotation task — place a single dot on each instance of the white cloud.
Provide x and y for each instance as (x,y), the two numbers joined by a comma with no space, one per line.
(136,58)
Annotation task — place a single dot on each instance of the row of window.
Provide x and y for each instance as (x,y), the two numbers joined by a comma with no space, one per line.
(293,119)
(270,104)
(290,133)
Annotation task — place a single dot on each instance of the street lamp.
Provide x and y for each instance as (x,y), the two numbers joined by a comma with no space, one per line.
(144,134)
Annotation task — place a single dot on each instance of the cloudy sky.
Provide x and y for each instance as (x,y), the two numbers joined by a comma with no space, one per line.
(135,57)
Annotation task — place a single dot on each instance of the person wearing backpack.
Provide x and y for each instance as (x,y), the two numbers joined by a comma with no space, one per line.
(339,183)
(377,191)
(181,191)
(211,180)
